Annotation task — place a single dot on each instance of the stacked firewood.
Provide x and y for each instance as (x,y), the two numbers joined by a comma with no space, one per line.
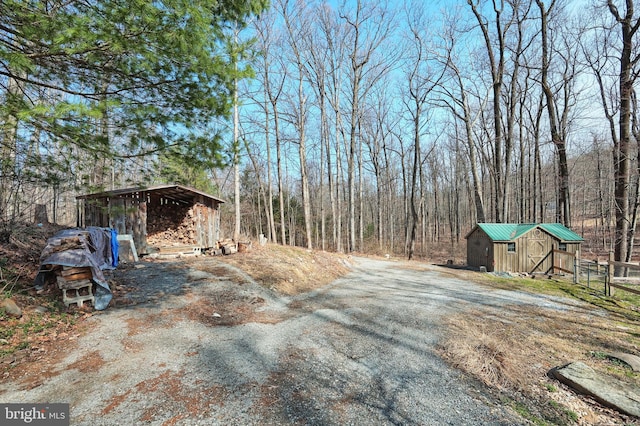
(69,273)
(170,236)
(175,226)
(228,246)
(68,243)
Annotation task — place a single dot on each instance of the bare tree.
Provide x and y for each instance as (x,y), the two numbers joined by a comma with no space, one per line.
(297,25)
(596,51)
(273,75)
(267,39)
(333,34)
(456,99)
(369,25)
(377,138)
(236,149)
(423,76)
(497,56)
(317,50)
(629,24)
(558,101)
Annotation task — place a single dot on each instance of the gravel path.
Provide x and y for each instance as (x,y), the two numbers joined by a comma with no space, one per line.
(359,351)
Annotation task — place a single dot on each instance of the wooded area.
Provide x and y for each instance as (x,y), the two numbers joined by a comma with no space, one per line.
(364,126)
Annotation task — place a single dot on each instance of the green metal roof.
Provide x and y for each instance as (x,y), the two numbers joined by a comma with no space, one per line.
(562,232)
(512,231)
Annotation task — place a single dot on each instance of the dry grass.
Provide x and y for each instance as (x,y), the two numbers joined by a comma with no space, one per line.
(484,350)
(290,270)
(514,348)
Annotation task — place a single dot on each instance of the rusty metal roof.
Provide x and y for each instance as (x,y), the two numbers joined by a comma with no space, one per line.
(178,193)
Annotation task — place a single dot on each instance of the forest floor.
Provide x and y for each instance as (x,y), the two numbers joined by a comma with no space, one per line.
(509,348)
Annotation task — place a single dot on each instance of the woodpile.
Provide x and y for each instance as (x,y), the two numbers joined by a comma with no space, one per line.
(229,249)
(67,243)
(227,246)
(172,230)
(75,274)
(175,226)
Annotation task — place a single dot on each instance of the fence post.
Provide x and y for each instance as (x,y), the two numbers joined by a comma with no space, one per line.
(576,267)
(608,289)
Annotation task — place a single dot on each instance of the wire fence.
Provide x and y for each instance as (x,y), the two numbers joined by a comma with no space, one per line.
(593,274)
(622,276)
(609,277)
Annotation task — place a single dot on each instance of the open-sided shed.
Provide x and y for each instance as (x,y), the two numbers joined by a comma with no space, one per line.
(529,247)
(162,215)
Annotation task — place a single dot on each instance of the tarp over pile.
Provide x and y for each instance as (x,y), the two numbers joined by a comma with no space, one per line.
(93,247)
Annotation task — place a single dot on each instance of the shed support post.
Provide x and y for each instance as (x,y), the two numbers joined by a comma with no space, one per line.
(609,291)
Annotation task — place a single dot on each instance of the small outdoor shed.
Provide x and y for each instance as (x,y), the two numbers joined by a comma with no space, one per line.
(156,217)
(532,247)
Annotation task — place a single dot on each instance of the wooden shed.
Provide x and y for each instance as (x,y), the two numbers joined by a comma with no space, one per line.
(532,247)
(157,217)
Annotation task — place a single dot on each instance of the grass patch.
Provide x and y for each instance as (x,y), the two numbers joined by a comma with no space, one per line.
(524,412)
(512,349)
(624,304)
(554,414)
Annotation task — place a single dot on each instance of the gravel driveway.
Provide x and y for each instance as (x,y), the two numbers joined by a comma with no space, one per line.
(359,351)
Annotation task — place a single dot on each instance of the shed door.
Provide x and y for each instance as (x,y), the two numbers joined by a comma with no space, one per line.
(536,248)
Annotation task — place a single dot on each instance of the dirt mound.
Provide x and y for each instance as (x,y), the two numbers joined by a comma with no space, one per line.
(290,270)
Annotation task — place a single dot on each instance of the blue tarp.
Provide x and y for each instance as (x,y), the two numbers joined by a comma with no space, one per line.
(115,248)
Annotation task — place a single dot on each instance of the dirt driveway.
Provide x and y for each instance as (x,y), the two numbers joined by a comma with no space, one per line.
(200,343)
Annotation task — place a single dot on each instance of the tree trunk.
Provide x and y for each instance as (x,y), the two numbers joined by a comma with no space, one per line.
(272,223)
(360,198)
(236,163)
(621,153)
(340,178)
(471,146)
(562,209)
(414,180)
(351,179)
(9,140)
(332,190)
(302,150)
(497,73)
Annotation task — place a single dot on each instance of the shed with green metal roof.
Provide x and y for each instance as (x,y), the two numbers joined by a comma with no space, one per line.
(522,247)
